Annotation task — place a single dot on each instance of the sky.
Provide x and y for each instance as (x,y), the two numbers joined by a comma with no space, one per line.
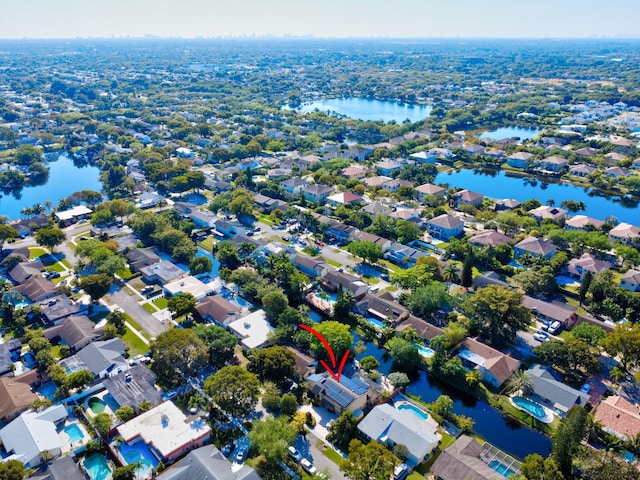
(321,18)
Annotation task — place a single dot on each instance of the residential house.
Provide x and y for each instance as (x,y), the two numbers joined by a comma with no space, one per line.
(79,212)
(167,430)
(553,394)
(617,172)
(441,153)
(293,186)
(161,272)
(377,208)
(62,468)
(619,417)
(494,153)
(445,226)
(544,212)
(76,332)
(489,278)
(423,157)
(278,172)
(389,426)
(489,237)
(252,330)
(615,157)
(354,172)
(317,193)
(581,170)
(305,365)
(383,307)
(387,167)
(33,433)
(519,160)
(348,394)
(625,233)
(57,308)
(425,330)
(343,198)
(188,284)
(141,257)
(429,190)
(133,387)
(332,279)
(403,255)
(494,366)
(577,267)
(217,309)
(631,280)
(25,270)
(587,152)
(467,197)
(25,226)
(230,228)
(550,311)
(553,164)
(473,149)
(15,397)
(377,181)
(464,460)
(395,184)
(363,236)
(9,353)
(103,359)
(37,289)
(358,153)
(203,219)
(339,231)
(311,266)
(208,463)
(582,222)
(408,214)
(149,200)
(534,246)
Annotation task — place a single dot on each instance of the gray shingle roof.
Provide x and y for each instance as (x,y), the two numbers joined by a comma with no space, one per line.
(207,463)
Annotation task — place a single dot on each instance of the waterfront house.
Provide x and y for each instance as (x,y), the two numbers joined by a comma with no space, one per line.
(317,193)
(423,157)
(252,330)
(544,212)
(617,172)
(332,279)
(534,246)
(519,159)
(473,149)
(577,267)
(348,394)
(167,430)
(389,426)
(631,280)
(445,226)
(79,212)
(464,460)
(553,394)
(217,309)
(582,222)
(312,267)
(551,311)
(494,366)
(208,463)
(429,190)
(16,396)
(383,307)
(426,331)
(553,164)
(102,359)
(581,170)
(441,153)
(625,233)
(619,417)
(467,197)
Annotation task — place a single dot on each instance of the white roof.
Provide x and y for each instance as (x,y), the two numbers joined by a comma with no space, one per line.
(188,284)
(32,433)
(164,427)
(253,330)
(74,212)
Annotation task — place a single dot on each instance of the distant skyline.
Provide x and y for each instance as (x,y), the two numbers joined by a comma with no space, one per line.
(321,18)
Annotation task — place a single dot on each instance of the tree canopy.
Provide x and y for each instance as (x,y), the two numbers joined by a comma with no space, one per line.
(233,389)
(177,353)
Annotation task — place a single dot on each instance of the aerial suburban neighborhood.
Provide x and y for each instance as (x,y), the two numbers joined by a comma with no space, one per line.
(208,270)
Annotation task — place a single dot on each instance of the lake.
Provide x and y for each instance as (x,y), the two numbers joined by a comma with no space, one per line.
(510,132)
(366,109)
(503,432)
(497,184)
(65,177)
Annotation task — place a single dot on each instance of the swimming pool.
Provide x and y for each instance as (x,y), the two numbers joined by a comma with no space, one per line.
(139,452)
(326,296)
(74,432)
(97,467)
(426,352)
(96,405)
(532,408)
(375,323)
(418,412)
(501,468)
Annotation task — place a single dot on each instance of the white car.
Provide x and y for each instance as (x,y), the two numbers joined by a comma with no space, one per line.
(308,466)
(295,454)
(541,337)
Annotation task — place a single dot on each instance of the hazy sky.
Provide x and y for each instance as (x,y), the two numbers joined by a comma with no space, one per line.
(320,18)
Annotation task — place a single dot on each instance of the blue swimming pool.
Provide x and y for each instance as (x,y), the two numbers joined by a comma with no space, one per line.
(530,407)
(48,390)
(375,323)
(501,468)
(74,433)
(97,467)
(425,351)
(326,296)
(139,452)
(418,412)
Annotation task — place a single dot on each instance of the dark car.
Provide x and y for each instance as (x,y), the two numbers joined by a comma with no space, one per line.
(228,448)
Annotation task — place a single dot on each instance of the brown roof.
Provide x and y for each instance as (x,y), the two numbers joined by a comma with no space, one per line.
(15,396)
(500,365)
(217,308)
(461,461)
(490,237)
(619,415)
(304,363)
(76,331)
(424,328)
(37,288)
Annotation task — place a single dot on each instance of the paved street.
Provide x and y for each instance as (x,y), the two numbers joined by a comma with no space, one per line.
(146,320)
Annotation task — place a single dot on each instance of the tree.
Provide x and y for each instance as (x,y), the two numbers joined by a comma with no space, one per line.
(398,379)
(405,355)
(274,303)
(591,334)
(50,237)
(288,404)
(79,379)
(117,319)
(233,389)
(102,422)
(428,298)
(497,313)
(342,429)
(227,255)
(273,363)
(369,363)
(200,265)
(567,440)
(369,461)
(177,353)
(623,342)
(584,286)
(443,406)
(414,277)
(337,334)
(451,274)
(272,437)
(12,470)
(535,467)
(467,270)
(365,249)
(270,396)
(572,354)
(220,343)
(539,281)
(182,304)
(7,232)
(96,285)
(519,381)
(125,413)
(128,472)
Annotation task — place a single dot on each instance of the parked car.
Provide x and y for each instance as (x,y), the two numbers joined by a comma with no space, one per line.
(228,448)
(555,327)
(400,471)
(320,243)
(295,454)
(241,455)
(308,466)
(546,324)
(541,337)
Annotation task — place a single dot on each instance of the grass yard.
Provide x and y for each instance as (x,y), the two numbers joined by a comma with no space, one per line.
(332,263)
(208,243)
(134,344)
(239,354)
(57,267)
(161,303)
(330,453)
(66,263)
(149,307)
(125,274)
(36,252)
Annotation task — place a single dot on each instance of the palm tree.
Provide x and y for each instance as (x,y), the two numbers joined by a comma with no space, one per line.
(617,374)
(519,381)
(27,212)
(472,378)
(451,274)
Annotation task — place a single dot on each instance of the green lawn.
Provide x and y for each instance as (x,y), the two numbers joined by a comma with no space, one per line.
(125,274)
(36,252)
(332,263)
(66,263)
(330,453)
(149,307)
(208,243)
(135,345)
(161,302)
(57,267)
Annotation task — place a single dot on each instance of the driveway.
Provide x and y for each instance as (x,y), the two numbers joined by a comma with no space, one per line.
(308,448)
(146,320)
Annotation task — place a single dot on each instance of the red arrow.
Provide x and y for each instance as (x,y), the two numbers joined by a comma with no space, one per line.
(324,341)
